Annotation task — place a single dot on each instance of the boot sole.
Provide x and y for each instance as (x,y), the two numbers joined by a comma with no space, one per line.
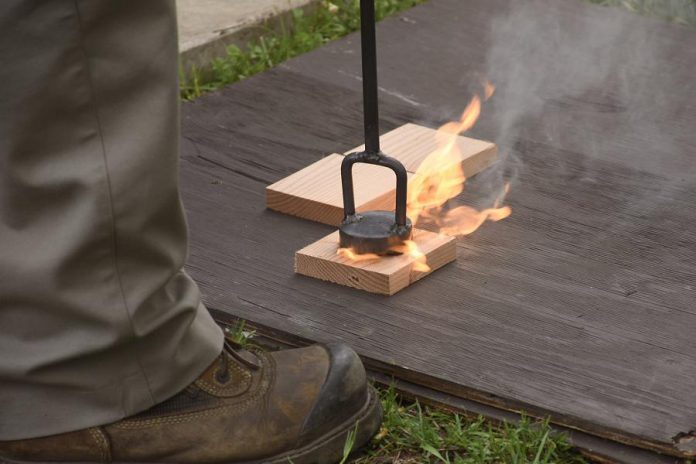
(327,449)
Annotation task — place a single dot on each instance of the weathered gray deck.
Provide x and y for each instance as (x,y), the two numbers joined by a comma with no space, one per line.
(581,305)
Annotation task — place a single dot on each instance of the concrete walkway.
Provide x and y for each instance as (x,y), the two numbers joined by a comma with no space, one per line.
(207,27)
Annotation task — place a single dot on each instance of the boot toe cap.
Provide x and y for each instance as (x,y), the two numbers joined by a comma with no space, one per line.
(342,395)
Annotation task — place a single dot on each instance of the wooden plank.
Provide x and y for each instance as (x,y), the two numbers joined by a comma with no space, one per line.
(385,275)
(315,193)
(580,306)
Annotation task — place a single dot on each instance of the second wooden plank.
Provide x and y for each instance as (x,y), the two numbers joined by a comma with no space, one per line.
(315,192)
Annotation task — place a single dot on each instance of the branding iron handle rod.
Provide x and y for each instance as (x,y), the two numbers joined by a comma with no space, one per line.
(368,41)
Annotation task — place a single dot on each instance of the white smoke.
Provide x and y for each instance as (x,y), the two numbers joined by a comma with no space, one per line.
(565,77)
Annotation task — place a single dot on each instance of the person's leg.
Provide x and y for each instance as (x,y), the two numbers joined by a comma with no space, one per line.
(98,321)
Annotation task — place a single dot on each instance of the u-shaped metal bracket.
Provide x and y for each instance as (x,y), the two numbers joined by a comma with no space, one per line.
(378,159)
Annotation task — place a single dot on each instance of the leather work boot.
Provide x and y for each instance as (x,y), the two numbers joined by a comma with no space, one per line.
(294,406)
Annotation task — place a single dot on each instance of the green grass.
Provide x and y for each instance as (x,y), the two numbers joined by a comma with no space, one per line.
(240,334)
(413,434)
(677,11)
(329,21)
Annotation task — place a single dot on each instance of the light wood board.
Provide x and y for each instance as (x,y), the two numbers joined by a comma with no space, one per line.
(315,192)
(412,143)
(384,275)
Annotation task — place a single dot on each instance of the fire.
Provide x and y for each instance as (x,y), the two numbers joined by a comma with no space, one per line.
(353,256)
(464,220)
(439,179)
(419,259)
(409,247)
(488,89)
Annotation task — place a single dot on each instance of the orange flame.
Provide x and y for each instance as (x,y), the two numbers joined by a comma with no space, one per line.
(488,90)
(464,220)
(411,248)
(348,253)
(438,179)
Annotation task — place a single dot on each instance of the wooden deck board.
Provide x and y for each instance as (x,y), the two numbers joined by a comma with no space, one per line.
(581,305)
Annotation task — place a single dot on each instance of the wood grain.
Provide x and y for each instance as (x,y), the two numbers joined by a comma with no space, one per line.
(580,306)
(385,275)
(412,143)
(314,192)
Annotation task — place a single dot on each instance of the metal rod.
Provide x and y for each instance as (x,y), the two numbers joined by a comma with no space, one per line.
(368,42)
(382,160)
(347,185)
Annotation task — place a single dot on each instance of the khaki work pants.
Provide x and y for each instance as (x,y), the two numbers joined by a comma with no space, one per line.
(98,320)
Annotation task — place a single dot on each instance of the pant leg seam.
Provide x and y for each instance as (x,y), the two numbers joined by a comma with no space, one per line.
(112,232)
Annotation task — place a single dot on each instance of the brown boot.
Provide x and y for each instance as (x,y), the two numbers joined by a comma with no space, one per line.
(294,406)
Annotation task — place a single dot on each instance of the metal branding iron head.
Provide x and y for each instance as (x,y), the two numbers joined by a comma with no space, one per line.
(372,231)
